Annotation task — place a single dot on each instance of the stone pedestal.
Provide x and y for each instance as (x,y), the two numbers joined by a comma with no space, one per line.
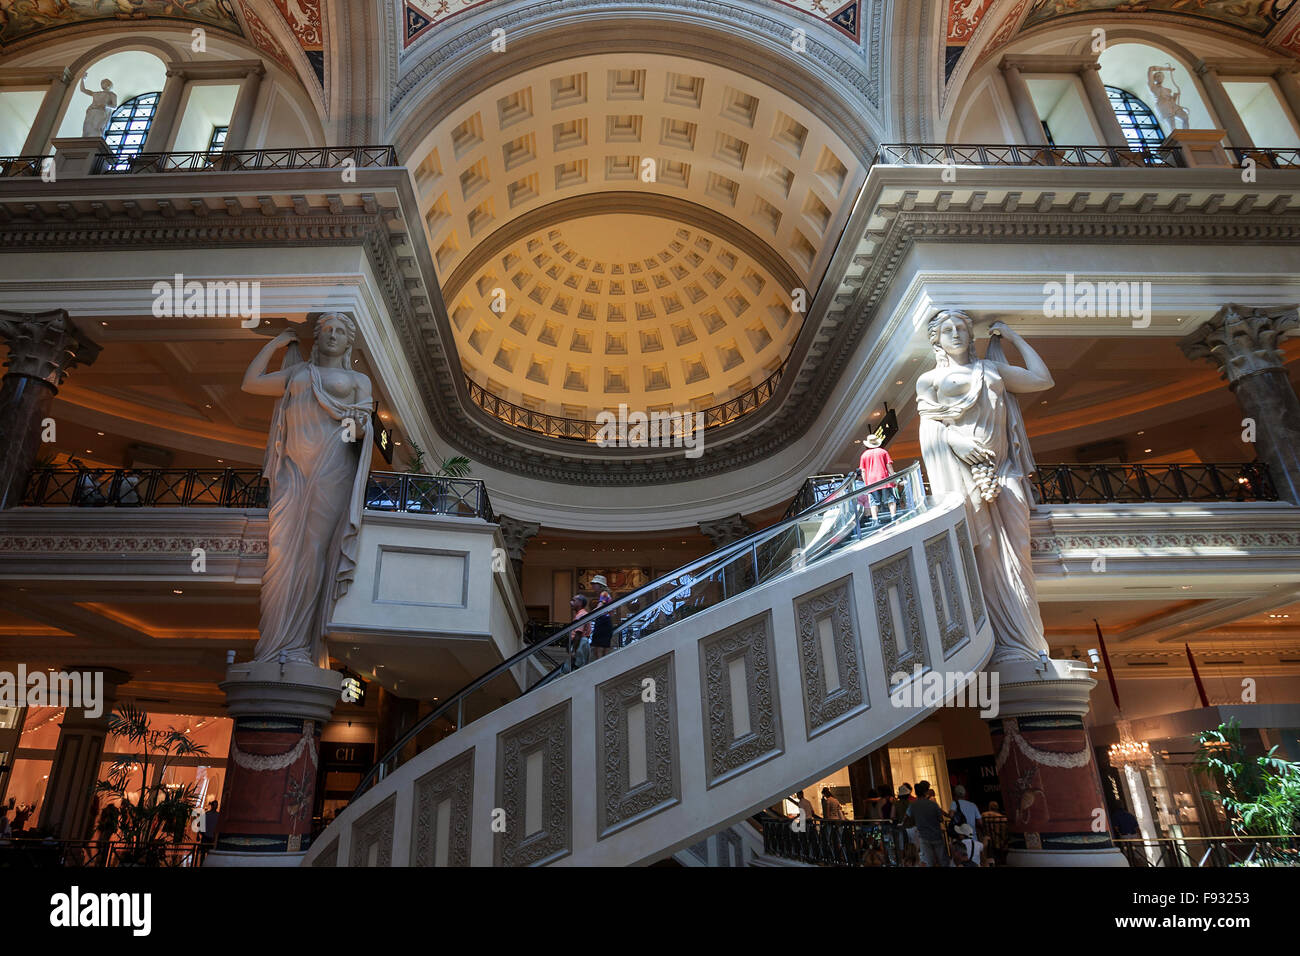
(1199,147)
(266,809)
(43,346)
(70,805)
(1051,789)
(75,156)
(1244,344)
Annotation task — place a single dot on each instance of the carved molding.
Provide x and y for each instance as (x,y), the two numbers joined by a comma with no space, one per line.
(823,707)
(328,857)
(618,802)
(948,607)
(901,651)
(974,589)
(726,531)
(726,754)
(375,830)
(454,781)
(1171,542)
(549,732)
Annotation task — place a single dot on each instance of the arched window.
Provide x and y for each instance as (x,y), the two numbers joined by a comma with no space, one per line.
(129,126)
(1139,123)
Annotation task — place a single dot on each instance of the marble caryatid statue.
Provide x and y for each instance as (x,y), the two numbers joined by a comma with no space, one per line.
(1168,102)
(317,460)
(102,104)
(973,443)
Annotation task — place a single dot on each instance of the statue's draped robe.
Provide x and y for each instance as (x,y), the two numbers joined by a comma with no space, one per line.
(989,415)
(318,483)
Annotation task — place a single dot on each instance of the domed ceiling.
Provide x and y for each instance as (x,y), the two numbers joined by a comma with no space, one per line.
(649,220)
(622,308)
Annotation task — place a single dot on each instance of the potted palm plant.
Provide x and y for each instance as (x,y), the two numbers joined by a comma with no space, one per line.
(161,811)
(427,490)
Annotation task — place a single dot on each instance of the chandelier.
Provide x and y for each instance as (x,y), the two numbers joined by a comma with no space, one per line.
(1129,752)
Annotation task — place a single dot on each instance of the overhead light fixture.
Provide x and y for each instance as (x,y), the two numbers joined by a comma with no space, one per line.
(1129,752)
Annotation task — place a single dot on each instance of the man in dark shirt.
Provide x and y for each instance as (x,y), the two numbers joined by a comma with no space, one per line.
(927,816)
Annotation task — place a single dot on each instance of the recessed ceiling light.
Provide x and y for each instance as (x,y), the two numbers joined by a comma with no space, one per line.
(105,324)
(100,434)
(1141,433)
(1146,451)
(221,461)
(177,591)
(899,382)
(89,452)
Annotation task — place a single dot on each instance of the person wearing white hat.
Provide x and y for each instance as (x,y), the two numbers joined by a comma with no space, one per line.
(973,848)
(876,466)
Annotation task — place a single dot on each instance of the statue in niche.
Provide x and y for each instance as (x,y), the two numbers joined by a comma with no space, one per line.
(973,443)
(1168,102)
(317,461)
(101,106)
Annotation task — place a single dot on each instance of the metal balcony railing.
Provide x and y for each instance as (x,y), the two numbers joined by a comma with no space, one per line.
(241,488)
(21,165)
(834,842)
(239,160)
(1269,157)
(1097,484)
(961,154)
(676,426)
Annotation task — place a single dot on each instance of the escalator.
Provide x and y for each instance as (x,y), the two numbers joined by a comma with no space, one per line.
(734,680)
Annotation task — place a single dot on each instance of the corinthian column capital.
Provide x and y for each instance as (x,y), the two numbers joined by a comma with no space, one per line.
(724,531)
(1242,341)
(45,345)
(516,534)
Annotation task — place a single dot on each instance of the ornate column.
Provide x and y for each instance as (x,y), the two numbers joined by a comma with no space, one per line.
(43,346)
(70,806)
(724,531)
(517,534)
(1227,113)
(241,117)
(266,807)
(1243,343)
(1023,101)
(1288,81)
(1051,790)
(1112,133)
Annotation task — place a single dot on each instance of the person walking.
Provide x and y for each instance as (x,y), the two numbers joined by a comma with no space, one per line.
(208,836)
(109,818)
(832,809)
(927,816)
(579,645)
(602,627)
(963,811)
(876,466)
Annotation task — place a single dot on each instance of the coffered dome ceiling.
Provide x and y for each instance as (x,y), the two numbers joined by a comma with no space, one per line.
(622,308)
(648,219)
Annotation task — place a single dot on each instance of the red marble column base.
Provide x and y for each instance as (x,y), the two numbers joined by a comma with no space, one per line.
(1051,790)
(279,713)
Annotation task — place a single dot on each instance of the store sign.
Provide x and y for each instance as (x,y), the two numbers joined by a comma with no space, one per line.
(352,690)
(888,427)
(383,437)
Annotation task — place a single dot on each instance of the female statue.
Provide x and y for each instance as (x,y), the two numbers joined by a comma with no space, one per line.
(101,104)
(317,460)
(1168,102)
(973,443)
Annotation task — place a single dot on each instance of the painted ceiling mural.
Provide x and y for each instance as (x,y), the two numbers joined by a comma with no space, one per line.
(304,19)
(420,16)
(1257,16)
(23,18)
(964,18)
(264,39)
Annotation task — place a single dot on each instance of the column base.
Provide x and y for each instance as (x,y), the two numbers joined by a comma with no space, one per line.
(231,858)
(1110,856)
(279,712)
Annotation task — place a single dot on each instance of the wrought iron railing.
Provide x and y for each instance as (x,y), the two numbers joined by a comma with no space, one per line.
(1097,484)
(328,157)
(1220,851)
(834,842)
(427,494)
(1269,157)
(22,165)
(813,491)
(32,852)
(961,154)
(146,488)
(241,488)
(676,427)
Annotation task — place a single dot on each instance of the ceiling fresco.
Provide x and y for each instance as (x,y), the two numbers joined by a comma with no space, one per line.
(20,19)
(1257,16)
(419,16)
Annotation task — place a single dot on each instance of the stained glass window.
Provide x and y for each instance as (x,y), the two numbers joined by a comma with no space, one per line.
(129,126)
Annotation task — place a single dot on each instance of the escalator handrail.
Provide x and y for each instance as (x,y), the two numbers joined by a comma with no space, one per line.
(840,495)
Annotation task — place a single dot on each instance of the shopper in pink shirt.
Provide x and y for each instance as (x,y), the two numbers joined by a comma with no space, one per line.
(877,466)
